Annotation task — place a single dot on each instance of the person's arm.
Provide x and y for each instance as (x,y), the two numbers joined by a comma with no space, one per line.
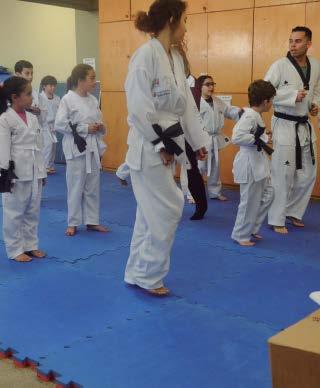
(241,134)
(141,109)
(285,96)
(63,119)
(5,144)
(193,125)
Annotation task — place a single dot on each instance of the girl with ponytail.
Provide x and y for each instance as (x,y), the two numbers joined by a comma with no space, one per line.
(161,115)
(22,168)
(79,119)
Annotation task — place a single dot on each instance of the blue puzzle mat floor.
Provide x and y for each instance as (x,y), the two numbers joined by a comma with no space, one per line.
(75,321)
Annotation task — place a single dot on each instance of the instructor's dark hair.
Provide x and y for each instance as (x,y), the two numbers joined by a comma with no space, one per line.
(260,91)
(160,13)
(304,29)
(13,85)
(78,73)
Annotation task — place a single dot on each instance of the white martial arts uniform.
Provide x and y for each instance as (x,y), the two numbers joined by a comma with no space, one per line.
(39,102)
(292,187)
(213,118)
(49,136)
(156,93)
(251,169)
(21,143)
(83,169)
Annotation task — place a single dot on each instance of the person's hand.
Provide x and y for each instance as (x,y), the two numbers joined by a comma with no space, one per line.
(166,158)
(269,133)
(314,110)
(93,128)
(301,95)
(35,110)
(100,127)
(202,153)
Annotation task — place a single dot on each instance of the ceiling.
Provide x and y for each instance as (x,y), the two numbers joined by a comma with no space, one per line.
(85,5)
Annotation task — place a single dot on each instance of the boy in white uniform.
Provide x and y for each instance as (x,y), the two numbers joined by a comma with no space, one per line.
(52,101)
(251,167)
(24,69)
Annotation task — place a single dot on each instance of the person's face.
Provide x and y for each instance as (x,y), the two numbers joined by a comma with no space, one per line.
(24,99)
(298,44)
(180,31)
(207,88)
(26,73)
(89,83)
(49,90)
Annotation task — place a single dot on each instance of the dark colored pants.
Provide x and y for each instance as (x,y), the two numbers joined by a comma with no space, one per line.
(195,182)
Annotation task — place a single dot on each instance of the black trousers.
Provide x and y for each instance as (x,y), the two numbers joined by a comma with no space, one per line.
(195,182)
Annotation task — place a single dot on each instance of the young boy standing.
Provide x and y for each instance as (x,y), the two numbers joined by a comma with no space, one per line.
(48,86)
(251,167)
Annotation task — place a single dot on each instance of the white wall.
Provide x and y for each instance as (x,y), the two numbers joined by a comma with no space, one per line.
(43,34)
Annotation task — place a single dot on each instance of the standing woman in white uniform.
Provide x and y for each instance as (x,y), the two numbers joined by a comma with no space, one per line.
(213,112)
(162,114)
(22,170)
(79,119)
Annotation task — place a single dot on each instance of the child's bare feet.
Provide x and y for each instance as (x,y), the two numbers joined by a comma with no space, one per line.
(71,231)
(257,236)
(296,222)
(161,291)
(36,253)
(280,229)
(98,228)
(23,258)
(246,243)
(222,198)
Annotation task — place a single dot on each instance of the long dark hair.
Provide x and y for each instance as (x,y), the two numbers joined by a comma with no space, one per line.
(78,73)
(160,13)
(13,85)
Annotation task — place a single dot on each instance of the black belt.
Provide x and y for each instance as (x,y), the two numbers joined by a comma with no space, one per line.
(78,140)
(7,177)
(299,120)
(166,136)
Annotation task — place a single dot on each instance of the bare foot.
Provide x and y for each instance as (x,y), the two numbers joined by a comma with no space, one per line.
(257,236)
(221,198)
(191,200)
(246,243)
(37,253)
(23,258)
(296,222)
(123,182)
(71,231)
(280,229)
(161,291)
(98,228)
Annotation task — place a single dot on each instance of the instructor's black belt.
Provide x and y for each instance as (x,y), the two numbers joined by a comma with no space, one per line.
(298,120)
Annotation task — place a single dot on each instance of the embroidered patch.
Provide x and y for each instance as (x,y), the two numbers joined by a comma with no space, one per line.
(155,82)
(287,163)
(286,82)
(226,139)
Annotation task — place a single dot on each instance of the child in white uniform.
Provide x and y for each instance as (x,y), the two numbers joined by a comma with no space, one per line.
(52,101)
(38,107)
(79,119)
(21,162)
(213,112)
(251,167)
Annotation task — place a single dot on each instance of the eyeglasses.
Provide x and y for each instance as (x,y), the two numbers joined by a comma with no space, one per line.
(208,84)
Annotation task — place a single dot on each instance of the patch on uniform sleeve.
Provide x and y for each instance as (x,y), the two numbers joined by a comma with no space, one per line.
(287,163)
